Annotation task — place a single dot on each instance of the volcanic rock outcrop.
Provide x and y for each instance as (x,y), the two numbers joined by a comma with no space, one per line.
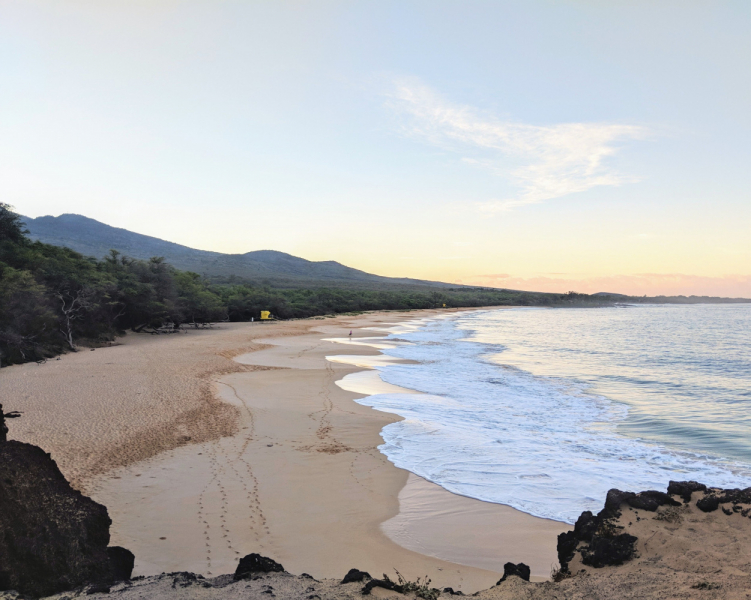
(600,540)
(255,563)
(52,537)
(355,576)
(521,570)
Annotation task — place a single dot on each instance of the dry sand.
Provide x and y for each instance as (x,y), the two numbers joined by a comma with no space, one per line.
(95,410)
(202,459)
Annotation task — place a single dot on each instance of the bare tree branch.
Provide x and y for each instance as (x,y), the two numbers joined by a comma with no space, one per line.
(73,307)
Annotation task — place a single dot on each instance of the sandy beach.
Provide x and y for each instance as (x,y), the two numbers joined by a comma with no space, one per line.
(209,445)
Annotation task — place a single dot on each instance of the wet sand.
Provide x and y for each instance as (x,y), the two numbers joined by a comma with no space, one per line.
(466,531)
(280,459)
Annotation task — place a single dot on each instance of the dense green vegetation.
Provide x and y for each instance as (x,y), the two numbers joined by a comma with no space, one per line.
(53,299)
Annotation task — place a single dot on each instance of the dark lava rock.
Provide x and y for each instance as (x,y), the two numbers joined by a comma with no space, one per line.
(586,526)
(708,503)
(607,551)
(684,489)
(386,584)
(567,544)
(121,563)
(355,575)
(520,570)
(651,500)
(3,424)
(584,530)
(613,502)
(52,537)
(594,536)
(255,563)
(601,546)
(714,497)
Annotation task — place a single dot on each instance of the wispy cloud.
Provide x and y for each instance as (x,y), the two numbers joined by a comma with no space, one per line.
(544,162)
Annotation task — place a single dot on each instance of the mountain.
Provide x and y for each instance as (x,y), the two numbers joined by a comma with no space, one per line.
(266,267)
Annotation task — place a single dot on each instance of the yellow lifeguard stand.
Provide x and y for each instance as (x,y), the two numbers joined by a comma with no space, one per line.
(265,315)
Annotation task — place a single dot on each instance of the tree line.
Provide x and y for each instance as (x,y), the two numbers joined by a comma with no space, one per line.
(53,299)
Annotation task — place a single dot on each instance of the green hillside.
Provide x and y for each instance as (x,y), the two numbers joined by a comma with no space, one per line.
(261,267)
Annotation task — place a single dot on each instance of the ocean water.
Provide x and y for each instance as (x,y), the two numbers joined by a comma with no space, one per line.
(547,409)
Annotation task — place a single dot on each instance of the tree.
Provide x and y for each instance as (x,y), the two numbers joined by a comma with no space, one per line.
(27,320)
(73,306)
(11,227)
(196,302)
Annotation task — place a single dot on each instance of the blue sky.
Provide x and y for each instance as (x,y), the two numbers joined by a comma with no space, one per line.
(547,145)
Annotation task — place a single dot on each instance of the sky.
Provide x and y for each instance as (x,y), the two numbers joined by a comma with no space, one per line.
(554,146)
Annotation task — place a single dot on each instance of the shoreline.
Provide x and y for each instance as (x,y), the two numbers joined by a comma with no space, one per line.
(468,532)
(298,478)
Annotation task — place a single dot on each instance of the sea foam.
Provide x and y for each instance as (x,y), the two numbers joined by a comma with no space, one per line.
(544,445)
